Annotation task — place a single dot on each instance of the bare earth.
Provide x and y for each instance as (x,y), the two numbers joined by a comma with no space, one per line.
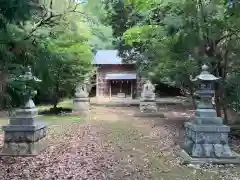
(114,145)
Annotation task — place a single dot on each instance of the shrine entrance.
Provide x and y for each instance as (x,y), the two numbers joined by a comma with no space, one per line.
(121,85)
(123,88)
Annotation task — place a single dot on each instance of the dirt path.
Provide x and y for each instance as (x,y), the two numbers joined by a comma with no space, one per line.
(145,148)
(112,146)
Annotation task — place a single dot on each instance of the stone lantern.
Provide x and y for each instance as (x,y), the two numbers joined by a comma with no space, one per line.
(207,114)
(206,138)
(24,135)
(81,101)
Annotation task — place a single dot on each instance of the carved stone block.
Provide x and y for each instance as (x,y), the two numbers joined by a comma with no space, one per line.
(148,106)
(81,105)
(24,148)
(208,142)
(24,117)
(148,96)
(21,139)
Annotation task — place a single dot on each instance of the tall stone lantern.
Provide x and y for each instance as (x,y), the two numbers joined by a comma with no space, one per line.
(25,134)
(206,138)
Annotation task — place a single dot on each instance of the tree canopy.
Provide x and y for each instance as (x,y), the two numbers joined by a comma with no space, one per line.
(56,38)
(171,39)
(168,40)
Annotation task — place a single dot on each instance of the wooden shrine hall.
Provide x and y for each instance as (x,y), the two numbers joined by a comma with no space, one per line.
(115,78)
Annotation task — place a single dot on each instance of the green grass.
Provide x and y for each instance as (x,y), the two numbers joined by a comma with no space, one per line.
(56,119)
(52,119)
(67,103)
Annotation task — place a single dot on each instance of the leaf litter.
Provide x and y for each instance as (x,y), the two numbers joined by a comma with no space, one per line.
(74,153)
(112,146)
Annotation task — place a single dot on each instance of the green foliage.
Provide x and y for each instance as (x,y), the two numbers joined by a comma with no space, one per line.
(51,38)
(70,61)
(15,10)
(233,91)
(171,39)
(101,32)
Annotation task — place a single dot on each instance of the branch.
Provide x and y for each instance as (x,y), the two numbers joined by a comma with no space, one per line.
(49,15)
(229,35)
(51,7)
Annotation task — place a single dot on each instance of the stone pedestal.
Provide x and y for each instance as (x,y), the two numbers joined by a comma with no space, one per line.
(148,102)
(206,140)
(81,101)
(25,135)
(209,141)
(148,106)
(81,105)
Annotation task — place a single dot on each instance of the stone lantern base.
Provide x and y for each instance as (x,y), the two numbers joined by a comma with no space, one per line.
(187,159)
(148,106)
(81,105)
(24,136)
(207,144)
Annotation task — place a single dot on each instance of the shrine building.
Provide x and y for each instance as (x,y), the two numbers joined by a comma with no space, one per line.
(115,78)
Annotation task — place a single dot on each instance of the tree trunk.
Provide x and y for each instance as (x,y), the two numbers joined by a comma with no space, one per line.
(217,101)
(190,87)
(224,102)
(192,96)
(56,95)
(218,94)
(3,85)
(55,105)
(225,111)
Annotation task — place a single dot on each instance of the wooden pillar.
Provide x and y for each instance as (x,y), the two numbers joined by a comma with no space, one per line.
(97,83)
(110,89)
(131,88)
(120,86)
(104,89)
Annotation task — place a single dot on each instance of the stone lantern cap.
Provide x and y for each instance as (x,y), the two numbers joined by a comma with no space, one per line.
(28,91)
(29,77)
(205,75)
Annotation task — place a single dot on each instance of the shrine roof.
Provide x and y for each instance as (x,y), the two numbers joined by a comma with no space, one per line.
(107,57)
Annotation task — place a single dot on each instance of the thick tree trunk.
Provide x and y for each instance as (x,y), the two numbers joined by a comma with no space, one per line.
(225,111)
(192,97)
(57,90)
(224,101)
(55,105)
(217,102)
(3,85)
(218,93)
(56,97)
(191,91)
